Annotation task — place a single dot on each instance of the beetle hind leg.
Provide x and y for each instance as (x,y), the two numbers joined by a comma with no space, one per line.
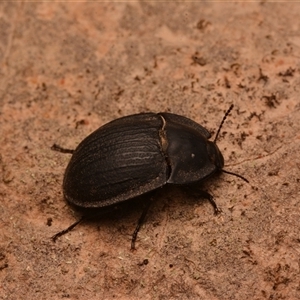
(63,232)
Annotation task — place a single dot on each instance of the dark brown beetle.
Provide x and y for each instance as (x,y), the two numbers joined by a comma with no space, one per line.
(137,154)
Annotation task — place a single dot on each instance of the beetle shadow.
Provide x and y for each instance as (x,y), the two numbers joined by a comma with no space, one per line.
(138,208)
(112,214)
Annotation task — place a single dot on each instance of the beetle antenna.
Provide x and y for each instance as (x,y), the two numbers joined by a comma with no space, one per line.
(224,118)
(237,175)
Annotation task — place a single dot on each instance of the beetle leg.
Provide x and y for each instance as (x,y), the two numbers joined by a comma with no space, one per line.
(58,148)
(140,223)
(196,192)
(57,235)
(210,198)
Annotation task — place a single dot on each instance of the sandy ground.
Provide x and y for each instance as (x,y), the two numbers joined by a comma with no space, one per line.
(67,69)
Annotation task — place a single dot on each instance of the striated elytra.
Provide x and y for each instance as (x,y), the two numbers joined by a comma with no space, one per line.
(137,154)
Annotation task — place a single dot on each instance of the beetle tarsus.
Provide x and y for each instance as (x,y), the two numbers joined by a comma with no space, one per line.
(63,232)
(213,203)
(217,210)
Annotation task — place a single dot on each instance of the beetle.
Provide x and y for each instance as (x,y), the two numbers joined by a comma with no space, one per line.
(137,154)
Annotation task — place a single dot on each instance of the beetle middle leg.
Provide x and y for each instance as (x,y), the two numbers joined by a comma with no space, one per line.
(140,222)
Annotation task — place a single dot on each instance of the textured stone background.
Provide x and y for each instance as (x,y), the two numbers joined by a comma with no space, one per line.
(68,68)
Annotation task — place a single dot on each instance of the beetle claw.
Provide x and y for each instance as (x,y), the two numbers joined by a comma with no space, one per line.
(218,211)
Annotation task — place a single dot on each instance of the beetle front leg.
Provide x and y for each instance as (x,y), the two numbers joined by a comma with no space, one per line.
(196,192)
(210,198)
